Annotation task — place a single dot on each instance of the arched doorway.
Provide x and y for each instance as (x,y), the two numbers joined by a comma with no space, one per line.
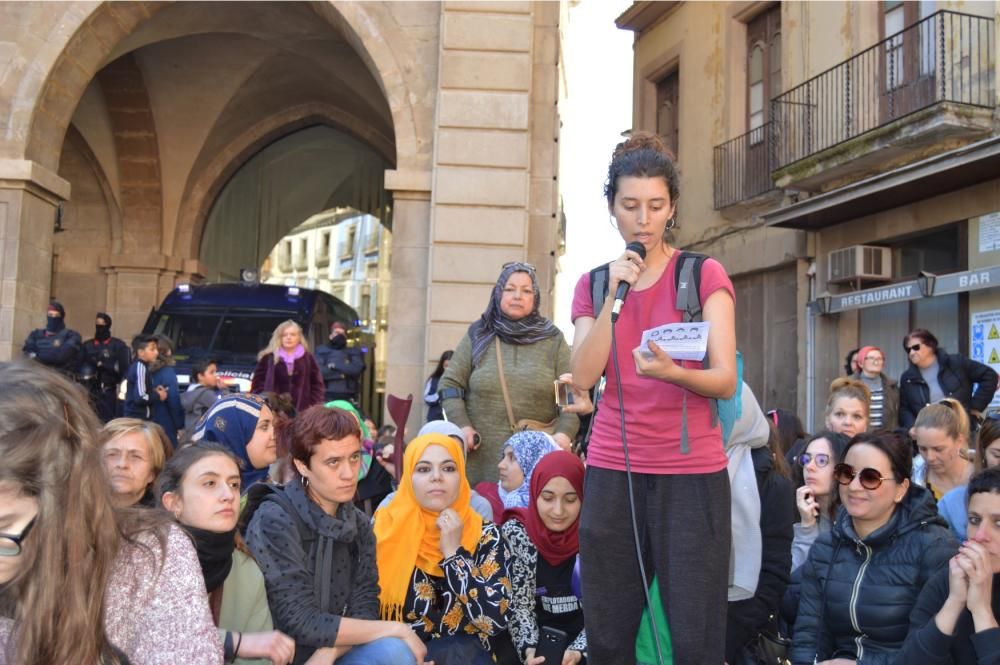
(213,129)
(294,178)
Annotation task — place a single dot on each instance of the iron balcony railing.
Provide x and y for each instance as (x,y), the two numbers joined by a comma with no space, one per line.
(946,57)
(743,167)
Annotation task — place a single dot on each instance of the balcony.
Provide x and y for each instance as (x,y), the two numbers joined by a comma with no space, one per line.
(923,90)
(742,168)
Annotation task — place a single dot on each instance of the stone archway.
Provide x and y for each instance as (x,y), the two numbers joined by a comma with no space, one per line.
(88,35)
(80,39)
(206,182)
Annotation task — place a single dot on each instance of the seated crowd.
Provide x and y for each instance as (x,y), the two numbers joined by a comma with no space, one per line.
(257,542)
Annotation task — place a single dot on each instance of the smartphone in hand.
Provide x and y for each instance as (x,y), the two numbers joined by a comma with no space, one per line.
(564,394)
(552,644)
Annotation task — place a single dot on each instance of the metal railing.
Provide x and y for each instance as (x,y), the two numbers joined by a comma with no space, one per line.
(743,166)
(946,57)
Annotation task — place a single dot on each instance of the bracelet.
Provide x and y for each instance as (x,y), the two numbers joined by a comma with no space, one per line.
(227,648)
(239,641)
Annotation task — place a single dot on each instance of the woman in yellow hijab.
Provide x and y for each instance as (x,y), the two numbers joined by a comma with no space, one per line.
(441,569)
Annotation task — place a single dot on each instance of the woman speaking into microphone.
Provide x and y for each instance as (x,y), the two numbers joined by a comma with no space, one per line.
(667,416)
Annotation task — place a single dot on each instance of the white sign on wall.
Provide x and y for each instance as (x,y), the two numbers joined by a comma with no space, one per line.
(984,345)
(989,232)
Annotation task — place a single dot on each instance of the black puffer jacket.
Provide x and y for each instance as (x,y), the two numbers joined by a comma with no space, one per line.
(956,375)
(857,594)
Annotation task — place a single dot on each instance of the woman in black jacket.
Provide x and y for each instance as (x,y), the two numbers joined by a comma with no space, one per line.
(934,375)
(955,620)
(862,578)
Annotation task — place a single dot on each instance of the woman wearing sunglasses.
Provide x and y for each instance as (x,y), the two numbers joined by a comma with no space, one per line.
(862,578)
(955,620)
(934,375)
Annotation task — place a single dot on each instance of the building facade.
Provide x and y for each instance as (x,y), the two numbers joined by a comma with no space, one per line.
(148,143)
(840,160)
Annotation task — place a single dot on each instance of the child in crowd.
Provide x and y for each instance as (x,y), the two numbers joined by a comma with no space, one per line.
(205,389)
(139,391)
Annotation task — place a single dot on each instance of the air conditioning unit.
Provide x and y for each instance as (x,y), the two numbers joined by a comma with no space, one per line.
(859,262)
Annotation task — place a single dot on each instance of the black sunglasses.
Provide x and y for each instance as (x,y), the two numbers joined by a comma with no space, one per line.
(10,545)
(915,347)
(871,479)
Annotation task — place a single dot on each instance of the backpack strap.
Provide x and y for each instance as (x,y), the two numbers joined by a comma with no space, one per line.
(687,278)
(687,283)
(599,277)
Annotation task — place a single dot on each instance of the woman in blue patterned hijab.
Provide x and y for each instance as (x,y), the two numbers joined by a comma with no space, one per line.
(244,425)
(521,453)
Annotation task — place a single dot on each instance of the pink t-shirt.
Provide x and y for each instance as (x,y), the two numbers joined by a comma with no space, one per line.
(653,407)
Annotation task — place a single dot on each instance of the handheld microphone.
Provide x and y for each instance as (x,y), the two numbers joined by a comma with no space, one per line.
(623,287)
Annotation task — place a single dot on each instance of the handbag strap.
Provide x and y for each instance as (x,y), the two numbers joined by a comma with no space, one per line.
(503,387)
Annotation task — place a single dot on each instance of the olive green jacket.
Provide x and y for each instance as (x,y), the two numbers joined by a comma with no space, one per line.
(530,371)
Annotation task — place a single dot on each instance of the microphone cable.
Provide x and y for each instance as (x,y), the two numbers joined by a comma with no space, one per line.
(631,498)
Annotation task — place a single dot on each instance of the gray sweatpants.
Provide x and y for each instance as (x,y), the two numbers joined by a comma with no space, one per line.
(684,529)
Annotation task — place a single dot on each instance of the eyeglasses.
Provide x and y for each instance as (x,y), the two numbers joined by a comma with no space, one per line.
(871,479)
(909,349)
(518,264)
(10,544)
(821,459)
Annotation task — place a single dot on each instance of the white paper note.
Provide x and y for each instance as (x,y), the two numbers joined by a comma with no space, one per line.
(681,341)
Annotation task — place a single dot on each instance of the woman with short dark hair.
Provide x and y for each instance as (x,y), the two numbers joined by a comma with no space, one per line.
(317,551)
(955,620)
(934,375)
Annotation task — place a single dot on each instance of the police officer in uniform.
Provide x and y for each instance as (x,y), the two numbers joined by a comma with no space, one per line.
(55,345)
(106,360)
(341,366)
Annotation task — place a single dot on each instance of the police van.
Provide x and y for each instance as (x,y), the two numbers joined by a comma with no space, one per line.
(231,323)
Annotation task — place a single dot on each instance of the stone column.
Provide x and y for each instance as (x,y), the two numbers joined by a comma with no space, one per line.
(407,318)
(29,197)
(136,283)
(482,160)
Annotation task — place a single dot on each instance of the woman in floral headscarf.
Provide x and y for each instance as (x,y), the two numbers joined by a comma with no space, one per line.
(521,452)
(441,568)
(534,355)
